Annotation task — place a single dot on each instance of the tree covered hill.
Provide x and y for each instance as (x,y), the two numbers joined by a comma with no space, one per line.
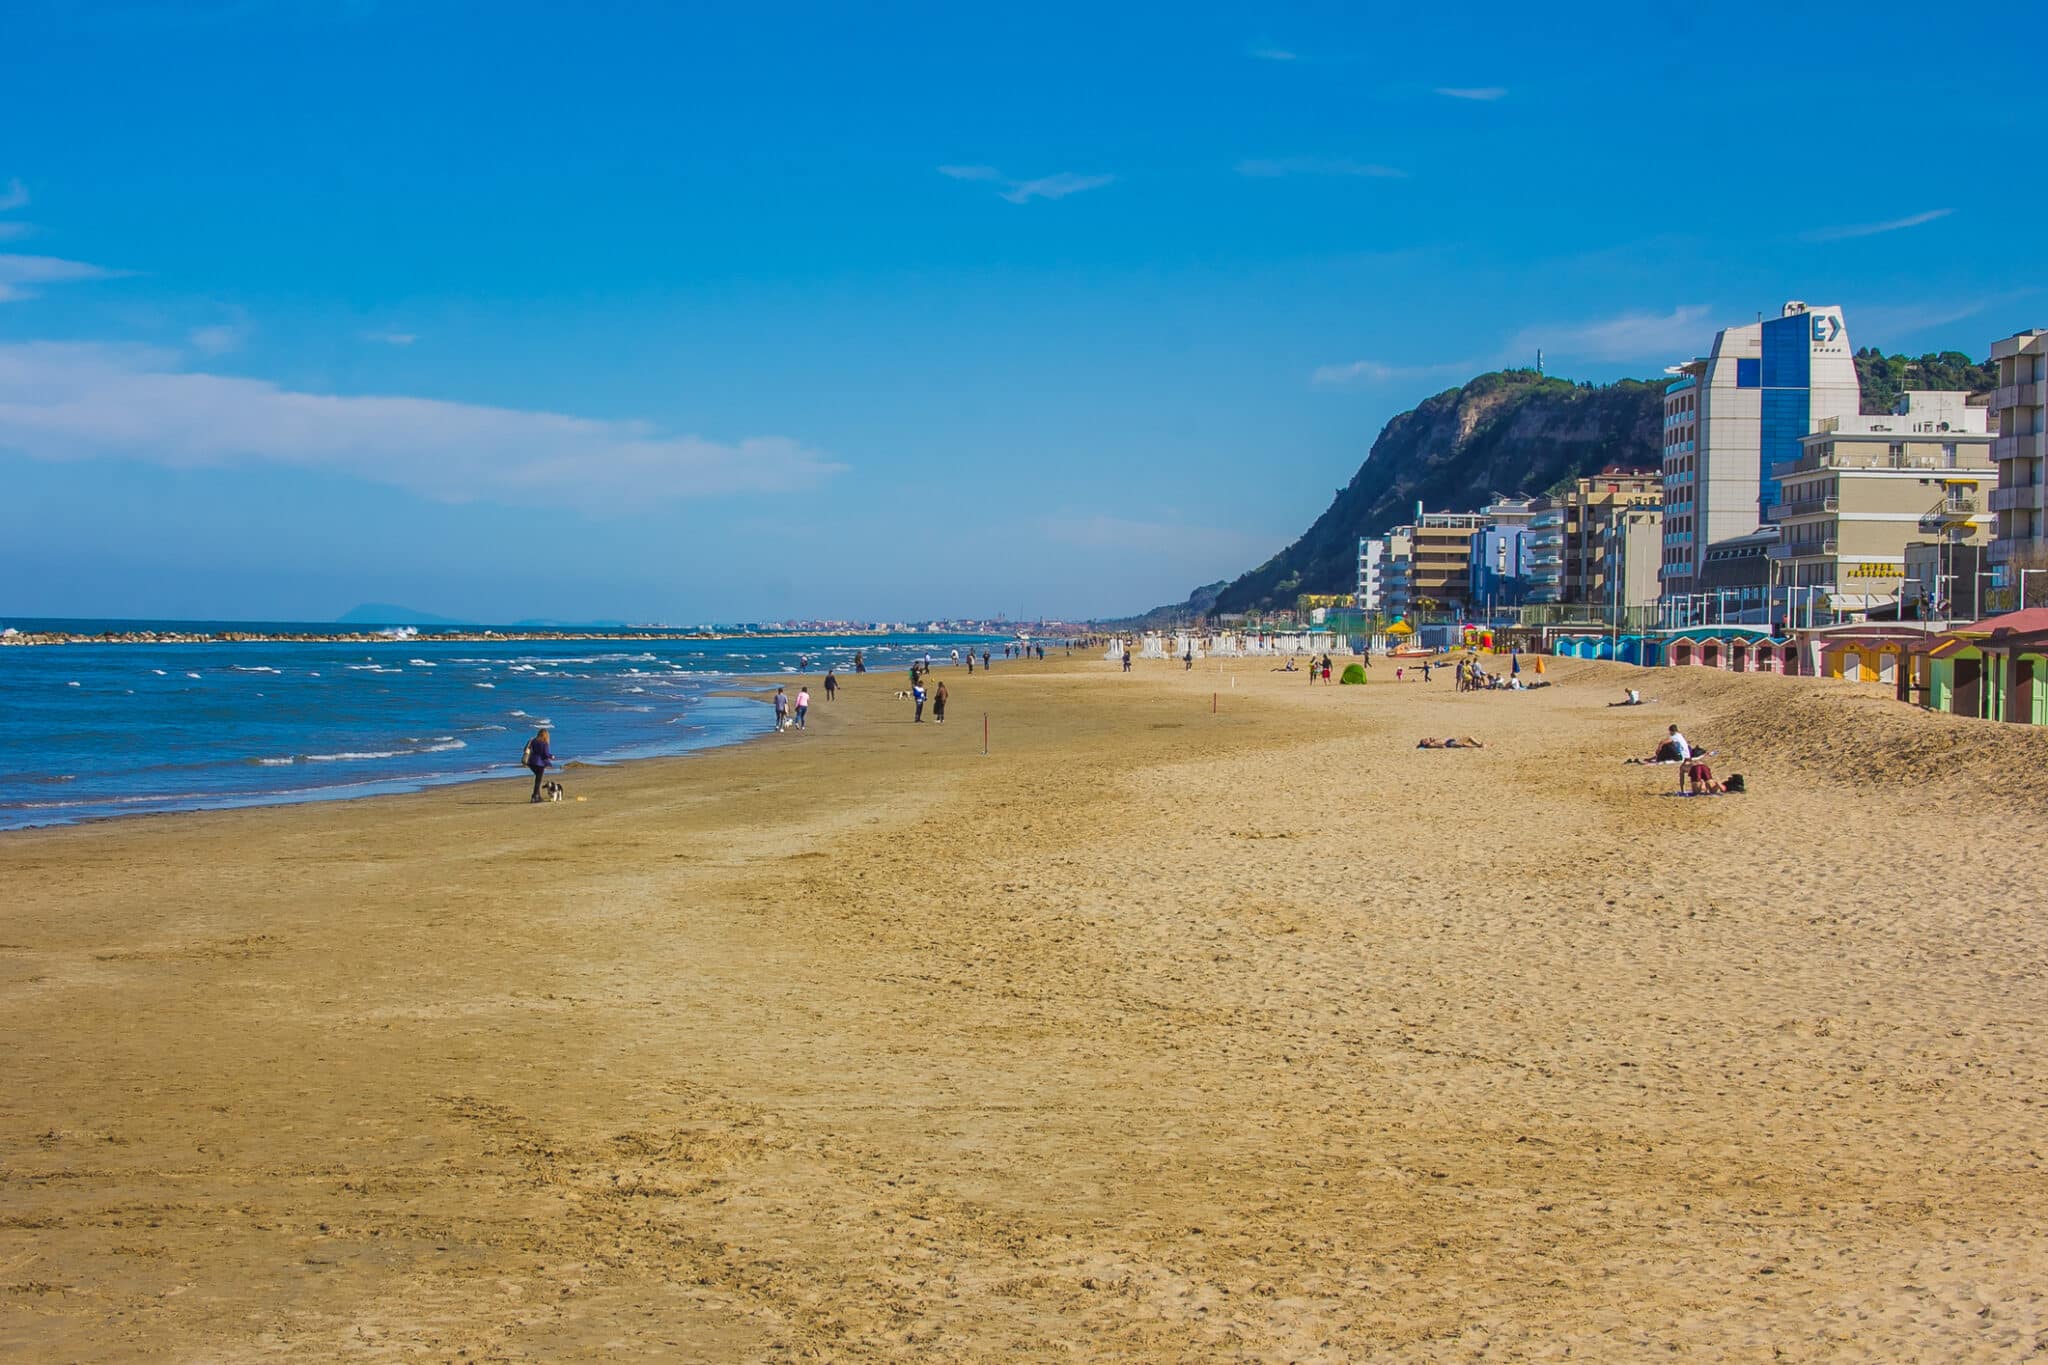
(1508,432)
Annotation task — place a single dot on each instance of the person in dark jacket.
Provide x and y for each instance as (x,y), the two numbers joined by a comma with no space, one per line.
(540,755)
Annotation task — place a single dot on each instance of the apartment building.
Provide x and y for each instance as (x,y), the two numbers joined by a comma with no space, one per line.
(1631,551)
(1567,551)
(1733,415)
(1497,564)
(1442,557)
(1433,571)
(1374,554)
(2020,450)
(1864,488)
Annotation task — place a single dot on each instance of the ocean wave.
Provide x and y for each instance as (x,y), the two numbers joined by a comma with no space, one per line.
(484,685)
(191,675)
(251,668)
(421,663)
(445,744)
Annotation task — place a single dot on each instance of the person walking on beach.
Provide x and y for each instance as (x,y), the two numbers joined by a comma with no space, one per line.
(803,705)
(939,704)
(537,758)
(984,661)
(781,708)
(970,663)
(1127,656)
(917,699)
(831,685)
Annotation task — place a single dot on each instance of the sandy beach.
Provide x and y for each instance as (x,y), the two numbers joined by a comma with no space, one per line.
(1159,1033)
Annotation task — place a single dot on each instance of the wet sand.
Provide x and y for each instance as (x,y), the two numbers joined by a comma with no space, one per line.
(1157,1034)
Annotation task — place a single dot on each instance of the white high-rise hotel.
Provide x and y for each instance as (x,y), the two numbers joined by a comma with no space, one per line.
(1733,413)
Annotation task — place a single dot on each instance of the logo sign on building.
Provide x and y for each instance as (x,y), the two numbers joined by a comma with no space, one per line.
(1828,332)
(1875,569)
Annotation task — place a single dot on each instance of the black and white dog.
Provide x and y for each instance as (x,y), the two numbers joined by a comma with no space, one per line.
(553,790)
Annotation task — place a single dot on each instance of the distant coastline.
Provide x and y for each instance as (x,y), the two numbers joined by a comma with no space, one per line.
(405,635)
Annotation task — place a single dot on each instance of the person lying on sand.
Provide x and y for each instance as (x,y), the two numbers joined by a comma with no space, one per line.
(1703,782)
(1466,743)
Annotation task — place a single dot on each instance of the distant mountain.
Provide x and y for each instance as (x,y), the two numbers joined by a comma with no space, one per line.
(384,614)
(1200,603)
(1510,432)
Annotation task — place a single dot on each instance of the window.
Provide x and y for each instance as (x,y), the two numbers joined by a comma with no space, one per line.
(1749,374)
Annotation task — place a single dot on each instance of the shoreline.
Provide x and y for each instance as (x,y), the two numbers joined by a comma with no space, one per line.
(1205,1017)
(31,639)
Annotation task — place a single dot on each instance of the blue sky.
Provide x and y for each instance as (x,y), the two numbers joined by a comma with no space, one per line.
(721,312)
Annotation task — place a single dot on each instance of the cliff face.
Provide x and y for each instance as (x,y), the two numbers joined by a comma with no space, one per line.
(1512,432)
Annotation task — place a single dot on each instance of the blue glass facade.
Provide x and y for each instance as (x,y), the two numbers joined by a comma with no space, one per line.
(1787,399)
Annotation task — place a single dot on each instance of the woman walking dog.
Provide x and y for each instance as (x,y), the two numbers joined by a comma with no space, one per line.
(538,757)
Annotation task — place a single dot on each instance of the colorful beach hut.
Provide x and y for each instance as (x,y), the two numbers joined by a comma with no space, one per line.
(1994,669)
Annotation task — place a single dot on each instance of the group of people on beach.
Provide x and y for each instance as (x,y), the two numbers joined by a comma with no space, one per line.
(920,670)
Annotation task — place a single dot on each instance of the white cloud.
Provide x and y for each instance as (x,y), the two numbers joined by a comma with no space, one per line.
(79,401)
(1359,373)
(390,338)
(1318,165)
(1023,191)
(1275,54)
(20,275)
(1684,331)
(1054,186)
(1472,92)
(220,338)
(1839,234)
(15,196)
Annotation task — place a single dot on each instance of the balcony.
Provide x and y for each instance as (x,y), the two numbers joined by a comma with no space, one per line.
(2025,497)
(1803,507)
(1805,549)
(1953,512)
(2027,395)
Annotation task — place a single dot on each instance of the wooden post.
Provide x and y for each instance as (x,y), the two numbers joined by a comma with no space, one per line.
(984,734)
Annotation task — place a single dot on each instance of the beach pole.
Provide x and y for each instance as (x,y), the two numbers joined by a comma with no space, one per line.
(984,734)
(1212,703)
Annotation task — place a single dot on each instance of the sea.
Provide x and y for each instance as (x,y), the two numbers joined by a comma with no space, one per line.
(93,731)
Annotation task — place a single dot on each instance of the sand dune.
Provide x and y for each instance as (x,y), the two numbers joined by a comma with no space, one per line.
(1158,1033)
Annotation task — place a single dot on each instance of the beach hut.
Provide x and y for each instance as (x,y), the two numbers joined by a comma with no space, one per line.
(1994,669)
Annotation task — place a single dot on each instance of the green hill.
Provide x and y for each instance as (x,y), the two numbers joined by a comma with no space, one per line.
(1508,432)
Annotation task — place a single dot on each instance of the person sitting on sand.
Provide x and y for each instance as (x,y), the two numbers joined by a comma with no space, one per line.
(1673,749)
(1631,697)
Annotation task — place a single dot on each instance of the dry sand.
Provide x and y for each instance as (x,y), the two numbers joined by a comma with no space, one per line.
(1158,1034)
